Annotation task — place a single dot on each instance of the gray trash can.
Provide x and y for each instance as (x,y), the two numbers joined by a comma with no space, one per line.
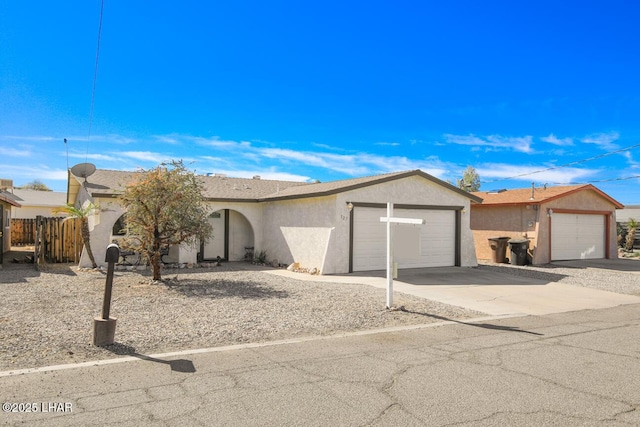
(519,249)
(498,248)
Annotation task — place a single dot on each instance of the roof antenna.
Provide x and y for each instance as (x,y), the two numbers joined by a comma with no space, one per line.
(67,149)
(533,189)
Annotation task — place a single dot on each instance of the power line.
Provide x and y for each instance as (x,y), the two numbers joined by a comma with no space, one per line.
(599,156)
(599,180)
(95,78)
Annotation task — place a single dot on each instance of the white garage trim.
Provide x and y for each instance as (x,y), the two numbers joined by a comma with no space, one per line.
(578,235)
(439,236)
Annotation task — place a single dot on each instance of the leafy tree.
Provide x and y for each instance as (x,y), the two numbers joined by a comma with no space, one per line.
(470,180)
(36,185)
(83,214)
(164,206)
(632,224)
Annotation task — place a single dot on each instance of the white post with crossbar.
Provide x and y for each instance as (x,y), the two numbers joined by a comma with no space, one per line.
(389,219)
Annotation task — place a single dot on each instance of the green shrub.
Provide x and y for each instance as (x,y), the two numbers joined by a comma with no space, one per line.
(260,258)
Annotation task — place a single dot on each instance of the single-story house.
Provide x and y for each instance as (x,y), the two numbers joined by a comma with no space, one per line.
(629,211)
(333,227)
(7,201)
(34,203)
(561,223)
(623,216)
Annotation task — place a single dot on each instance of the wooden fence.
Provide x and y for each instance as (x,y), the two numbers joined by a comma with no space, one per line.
(23,231)
(56,240)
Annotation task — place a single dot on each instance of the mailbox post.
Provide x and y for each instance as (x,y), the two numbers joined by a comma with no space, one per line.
(104,327)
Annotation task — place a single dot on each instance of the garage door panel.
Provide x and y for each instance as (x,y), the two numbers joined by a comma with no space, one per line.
(437,238)
(577,236)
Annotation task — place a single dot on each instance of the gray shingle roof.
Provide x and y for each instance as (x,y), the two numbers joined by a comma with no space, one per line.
(40,198)
(522,196)
(110,182)
(333,187)
(9,198)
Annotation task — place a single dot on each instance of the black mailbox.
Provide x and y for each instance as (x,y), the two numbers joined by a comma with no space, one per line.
(113,253)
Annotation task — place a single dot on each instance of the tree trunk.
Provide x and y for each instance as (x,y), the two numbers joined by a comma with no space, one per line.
(86,239)
(155,256)
(156,268)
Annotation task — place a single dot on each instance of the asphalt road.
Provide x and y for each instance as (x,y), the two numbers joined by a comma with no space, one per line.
(576,368)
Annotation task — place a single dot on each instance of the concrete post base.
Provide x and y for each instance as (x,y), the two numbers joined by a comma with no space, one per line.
(104,331)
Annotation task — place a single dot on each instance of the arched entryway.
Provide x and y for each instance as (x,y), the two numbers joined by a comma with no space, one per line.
(232,234)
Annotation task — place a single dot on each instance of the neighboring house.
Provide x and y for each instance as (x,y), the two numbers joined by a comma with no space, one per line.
(629,211)
(562,223)
(7,201)
(36,203)
(334,227)
(623,216)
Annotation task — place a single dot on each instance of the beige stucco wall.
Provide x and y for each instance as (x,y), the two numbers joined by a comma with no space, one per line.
(31,212)
(300,230)
(503,221)
(100,227)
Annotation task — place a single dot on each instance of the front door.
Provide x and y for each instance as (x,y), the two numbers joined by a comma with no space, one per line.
(217,245)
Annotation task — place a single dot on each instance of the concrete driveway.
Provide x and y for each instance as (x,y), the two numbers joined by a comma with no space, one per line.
(491,292)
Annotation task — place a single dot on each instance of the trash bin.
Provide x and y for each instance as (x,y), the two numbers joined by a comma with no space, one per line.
(498,248)
(519,249)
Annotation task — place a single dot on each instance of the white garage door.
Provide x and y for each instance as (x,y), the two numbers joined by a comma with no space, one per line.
(577,236)
(436,237)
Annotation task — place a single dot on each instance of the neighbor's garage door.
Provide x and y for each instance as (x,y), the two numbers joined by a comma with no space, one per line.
(577,236)
(437,238)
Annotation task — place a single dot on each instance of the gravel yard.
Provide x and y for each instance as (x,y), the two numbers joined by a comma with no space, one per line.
(46,317)
(612,280)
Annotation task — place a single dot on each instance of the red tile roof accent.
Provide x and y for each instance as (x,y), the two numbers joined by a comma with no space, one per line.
(522,196)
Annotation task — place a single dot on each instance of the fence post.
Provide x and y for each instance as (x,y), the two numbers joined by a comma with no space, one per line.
(104,327)
(36,244)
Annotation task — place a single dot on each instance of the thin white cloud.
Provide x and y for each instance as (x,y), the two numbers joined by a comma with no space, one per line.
(357,164)
(327,147)
(552,139)
(344,163)
(167,139)
(213,159)
(113,139)
(387,144)
(308,158)
(493,142)
(13,152)
(630,161)
(30,173)
(34,138)
(85,141)
(93,157)
(264,174)
(604,140)
(217,142)
(562,175)
(146,156)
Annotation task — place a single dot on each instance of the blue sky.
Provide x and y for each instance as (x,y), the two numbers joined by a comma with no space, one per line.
(325,90)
